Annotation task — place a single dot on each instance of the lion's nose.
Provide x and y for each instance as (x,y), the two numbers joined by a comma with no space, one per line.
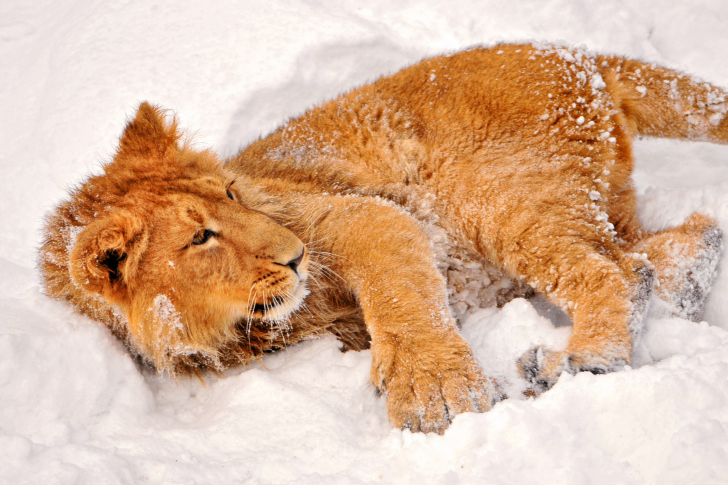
(293,264)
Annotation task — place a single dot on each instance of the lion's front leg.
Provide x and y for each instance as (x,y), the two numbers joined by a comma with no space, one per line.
(419,360)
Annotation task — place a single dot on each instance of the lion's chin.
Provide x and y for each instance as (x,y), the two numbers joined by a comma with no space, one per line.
(285,308)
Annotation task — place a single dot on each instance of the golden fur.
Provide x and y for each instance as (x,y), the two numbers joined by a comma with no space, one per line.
(518,156)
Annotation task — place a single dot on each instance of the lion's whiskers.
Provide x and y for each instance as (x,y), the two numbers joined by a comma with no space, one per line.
(250,308)
(325,271)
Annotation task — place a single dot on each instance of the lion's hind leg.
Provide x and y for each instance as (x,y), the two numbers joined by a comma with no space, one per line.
(607,301)
(686,260)
(576,262)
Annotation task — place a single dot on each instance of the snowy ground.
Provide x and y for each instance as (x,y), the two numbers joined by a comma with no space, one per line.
(75,409)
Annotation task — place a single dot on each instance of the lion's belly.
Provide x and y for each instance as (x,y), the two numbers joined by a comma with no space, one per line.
(473,282)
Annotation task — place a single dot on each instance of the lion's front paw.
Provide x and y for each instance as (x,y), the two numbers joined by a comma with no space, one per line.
(542,367)
(425,390)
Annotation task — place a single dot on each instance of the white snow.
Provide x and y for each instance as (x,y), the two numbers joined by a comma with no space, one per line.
(74,408)
(597,82)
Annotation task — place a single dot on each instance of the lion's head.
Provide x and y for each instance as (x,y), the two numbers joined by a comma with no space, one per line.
(163,237)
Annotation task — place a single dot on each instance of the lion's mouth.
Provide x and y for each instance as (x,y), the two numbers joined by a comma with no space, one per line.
(280,308)
(263,308)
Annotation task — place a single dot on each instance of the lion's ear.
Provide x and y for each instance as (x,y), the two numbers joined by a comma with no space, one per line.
(106,254)
(148,134)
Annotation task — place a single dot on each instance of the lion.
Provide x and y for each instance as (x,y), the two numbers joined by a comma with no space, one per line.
(366,216)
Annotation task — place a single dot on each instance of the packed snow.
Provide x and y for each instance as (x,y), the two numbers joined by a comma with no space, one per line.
(76,409)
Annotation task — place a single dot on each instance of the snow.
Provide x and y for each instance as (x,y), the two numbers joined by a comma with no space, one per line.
(74,407)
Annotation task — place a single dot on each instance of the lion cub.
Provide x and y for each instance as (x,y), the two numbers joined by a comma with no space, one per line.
(348,219)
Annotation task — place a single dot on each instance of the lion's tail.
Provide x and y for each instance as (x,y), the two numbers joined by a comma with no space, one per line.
(665,103)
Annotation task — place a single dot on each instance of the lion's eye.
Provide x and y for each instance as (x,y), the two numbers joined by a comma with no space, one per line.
(230,194)
(203,236)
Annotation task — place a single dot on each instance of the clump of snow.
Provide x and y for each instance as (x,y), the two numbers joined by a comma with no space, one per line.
(165,312)
(597,82)
(75,407)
